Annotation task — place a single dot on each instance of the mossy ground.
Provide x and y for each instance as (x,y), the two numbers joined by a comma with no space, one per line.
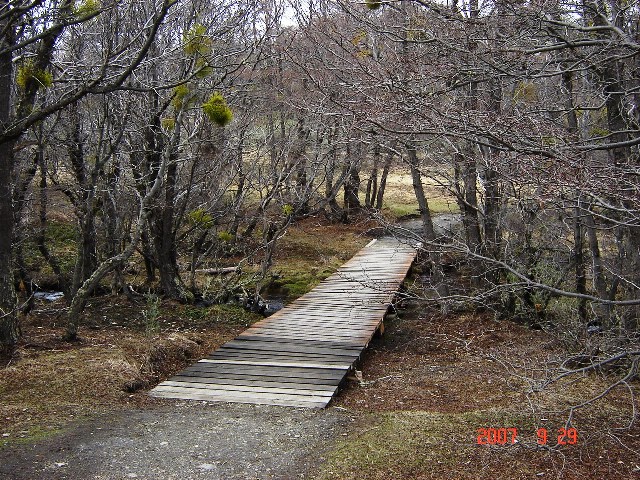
(61,237)
(312,250)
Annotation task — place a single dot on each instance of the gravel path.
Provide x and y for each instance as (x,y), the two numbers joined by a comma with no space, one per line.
(185,440)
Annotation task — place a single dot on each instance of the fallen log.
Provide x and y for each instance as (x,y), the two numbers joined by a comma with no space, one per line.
(218,271)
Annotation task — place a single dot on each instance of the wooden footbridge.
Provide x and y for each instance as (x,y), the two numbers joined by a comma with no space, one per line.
(299,356)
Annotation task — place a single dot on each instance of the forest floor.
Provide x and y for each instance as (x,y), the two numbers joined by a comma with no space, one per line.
(81,411)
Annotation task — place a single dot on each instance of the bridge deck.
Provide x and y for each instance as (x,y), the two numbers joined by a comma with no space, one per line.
(299,356)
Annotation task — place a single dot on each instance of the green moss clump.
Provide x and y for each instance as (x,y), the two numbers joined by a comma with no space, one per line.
(287,210)
(599,132)
(179,94)
(169,124)
(86,8)
(201,218)
(204,70)
(28,72)
(373,4)
(196,41)
(225,236)
(217,110)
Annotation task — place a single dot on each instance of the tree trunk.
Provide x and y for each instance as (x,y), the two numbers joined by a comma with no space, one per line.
(438,279)
(300,161)
(87,249)
(383,178)
(113,223)
(41,236)
(20,190)
(599,281)
(165,241)
(578,230)
(239,197)
(423,206)
(578,259)
(87,257)
(466,179)
(330,168)
(372,183)
(9,328)
(351,184)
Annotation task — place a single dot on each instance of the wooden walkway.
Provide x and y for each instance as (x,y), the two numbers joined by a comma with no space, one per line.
(299,356)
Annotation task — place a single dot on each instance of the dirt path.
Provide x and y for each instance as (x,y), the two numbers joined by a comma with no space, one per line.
(183,440)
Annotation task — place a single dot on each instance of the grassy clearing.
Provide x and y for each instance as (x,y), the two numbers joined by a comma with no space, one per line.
(399,198)
(416,444)
(433,445)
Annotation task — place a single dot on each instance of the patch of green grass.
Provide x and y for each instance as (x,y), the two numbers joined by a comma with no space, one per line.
(61,240)
(30,436)
(418,445)
(295,278)
(61,233)
(297,285)
(309,253)
(400,200)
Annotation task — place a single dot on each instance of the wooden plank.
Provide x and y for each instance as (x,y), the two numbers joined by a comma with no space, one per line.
(279,359)
(276,363)
(285,352)
(309,326)
(267,336)
(330,332)
(203,368)
(333,330)
(300,321)
(246,337)
(355,339)
(287,347)
(243,371)
(259,398)
(229,353)
(255,380)
(310,336)
(251,389)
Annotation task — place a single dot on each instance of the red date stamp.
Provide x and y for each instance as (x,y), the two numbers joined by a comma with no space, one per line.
(503,436)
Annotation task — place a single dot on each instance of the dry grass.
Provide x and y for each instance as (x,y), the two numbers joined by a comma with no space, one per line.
(399,198)
(50,383)
(431,382)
